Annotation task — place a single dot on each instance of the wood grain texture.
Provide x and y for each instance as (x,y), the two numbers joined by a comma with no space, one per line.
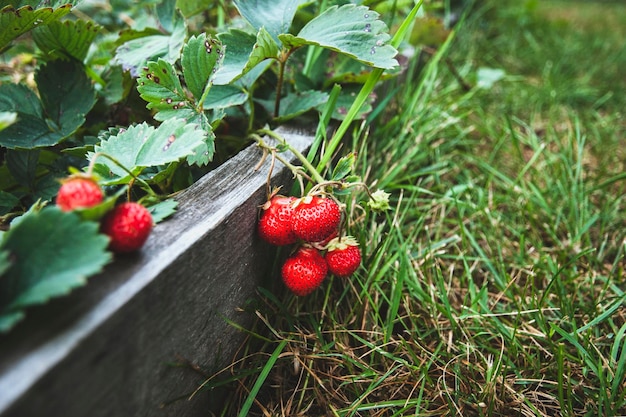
(104,350)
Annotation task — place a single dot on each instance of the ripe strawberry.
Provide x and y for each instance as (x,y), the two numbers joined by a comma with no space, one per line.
(78,192)
(275,223)
(343,257)
(315,218)
(128,225)
(304,271)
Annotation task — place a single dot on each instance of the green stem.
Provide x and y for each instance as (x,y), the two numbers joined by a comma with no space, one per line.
(143,183)
(366,90)
(317,177)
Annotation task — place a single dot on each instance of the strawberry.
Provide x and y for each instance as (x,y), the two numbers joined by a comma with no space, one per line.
(274,225)
(128,226)
(304,271)
(315,218)
(78,192)
(343,256)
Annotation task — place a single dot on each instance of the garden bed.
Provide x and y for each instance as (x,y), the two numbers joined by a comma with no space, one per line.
(108,348)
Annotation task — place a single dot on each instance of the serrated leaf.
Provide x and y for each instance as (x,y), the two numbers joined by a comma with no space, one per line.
(7,202)
(244,52)
(275,16)
(15,20)
(143,146)
(30,129)
(295,104)
(352,30)
(159,85)
(344,167)
(67,95)
(67,39)
(36,4)
(52,253)
(200,60)
(23,166)
(135,53)
(163,210)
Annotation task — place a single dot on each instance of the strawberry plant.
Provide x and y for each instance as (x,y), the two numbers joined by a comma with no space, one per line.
(144,98)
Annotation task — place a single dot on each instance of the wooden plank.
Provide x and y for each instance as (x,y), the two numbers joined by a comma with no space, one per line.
(104,350)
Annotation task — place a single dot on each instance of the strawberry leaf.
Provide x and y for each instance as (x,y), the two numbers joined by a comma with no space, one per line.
(151,45)
(163,210)
(68,39)
(17,19)
(275,16)
(66,97)
(295,104)
(68,251)
(144,146)
(352,30)
(7,202)
(223,96)
(159,85)
(244,52)
(200,61)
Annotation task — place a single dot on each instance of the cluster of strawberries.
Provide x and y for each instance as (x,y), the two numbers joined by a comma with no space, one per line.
(313,222)
(128,224)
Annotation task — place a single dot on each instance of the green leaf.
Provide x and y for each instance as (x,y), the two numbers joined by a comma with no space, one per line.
(52,252)
(66,93)
(16,20)
(163,210)
(7,119)
(223,96)
(295,104)
(244,52)
(143,146)
(275,16)
(7,203)
(352,30)
(134,54)
(200,61)
(36,4)
(66,96)
(160,86)
(344,167)
(68,39)
(30,130)
(23,166)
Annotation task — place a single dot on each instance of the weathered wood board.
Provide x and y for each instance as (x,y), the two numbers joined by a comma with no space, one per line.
(107,349)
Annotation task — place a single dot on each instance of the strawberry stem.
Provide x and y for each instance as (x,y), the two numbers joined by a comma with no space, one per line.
(315,176)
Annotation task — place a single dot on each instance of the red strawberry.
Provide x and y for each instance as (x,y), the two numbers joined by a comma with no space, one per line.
(275,223)
(78,192)
(343,257)
(315,218)
(128,225)
(304,271)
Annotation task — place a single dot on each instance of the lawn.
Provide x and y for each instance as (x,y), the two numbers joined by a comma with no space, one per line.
(495,286)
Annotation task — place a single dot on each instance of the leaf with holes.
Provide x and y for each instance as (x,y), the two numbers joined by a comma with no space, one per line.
(144,146)
(160,86)
(275,16)
(244,52)
(352,30)
(16,20)
(66,96)
(68,251)
(200,61)
(67,39)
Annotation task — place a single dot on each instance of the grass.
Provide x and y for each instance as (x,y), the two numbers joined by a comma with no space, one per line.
(494,287)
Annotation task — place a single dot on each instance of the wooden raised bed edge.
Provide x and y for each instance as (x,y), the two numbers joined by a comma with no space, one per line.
(104,350)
